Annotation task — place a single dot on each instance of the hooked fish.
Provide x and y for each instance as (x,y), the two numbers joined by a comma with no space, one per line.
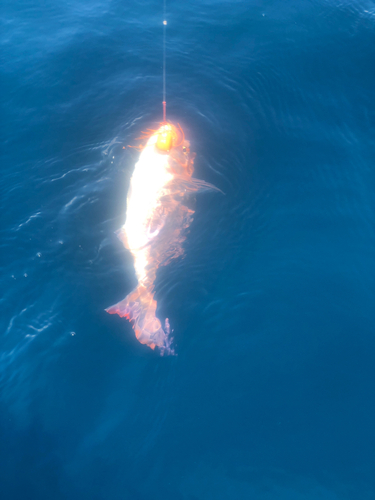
(156,218)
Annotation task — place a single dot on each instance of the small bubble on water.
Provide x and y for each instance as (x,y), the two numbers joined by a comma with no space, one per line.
(39,254)
(72,333)
(25,275)
(61,242)
(14,277)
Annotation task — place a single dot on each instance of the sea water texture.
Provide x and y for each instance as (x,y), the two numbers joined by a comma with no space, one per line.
(271,395)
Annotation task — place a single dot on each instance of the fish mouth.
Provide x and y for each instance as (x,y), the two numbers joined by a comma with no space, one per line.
(169,136)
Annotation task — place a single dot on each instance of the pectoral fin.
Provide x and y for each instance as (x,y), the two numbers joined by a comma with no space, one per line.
(195,185)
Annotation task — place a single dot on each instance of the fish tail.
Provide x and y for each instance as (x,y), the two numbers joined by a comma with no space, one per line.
(139,307)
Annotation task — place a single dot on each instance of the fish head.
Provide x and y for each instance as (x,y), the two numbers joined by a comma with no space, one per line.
(164,138)
(168,136)
(170,140)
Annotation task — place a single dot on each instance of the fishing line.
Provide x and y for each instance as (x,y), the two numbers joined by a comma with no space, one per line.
(164,63)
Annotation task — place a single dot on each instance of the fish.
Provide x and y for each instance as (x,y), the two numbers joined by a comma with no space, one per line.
(157,217)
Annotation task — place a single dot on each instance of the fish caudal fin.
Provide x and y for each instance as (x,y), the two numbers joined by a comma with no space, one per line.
(139,307)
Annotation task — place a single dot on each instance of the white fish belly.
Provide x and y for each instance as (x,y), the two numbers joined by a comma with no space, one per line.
(149,177)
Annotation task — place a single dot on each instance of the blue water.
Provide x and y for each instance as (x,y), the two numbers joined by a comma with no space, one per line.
(272,394)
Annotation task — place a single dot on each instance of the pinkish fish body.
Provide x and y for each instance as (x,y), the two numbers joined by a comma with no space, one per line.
(156,218)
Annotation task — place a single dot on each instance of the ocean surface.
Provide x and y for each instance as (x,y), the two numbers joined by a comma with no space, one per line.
(272,393)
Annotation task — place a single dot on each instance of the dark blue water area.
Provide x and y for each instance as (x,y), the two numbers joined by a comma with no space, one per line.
(272,393)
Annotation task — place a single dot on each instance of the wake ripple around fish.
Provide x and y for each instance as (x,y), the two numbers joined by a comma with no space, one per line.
(51,255)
